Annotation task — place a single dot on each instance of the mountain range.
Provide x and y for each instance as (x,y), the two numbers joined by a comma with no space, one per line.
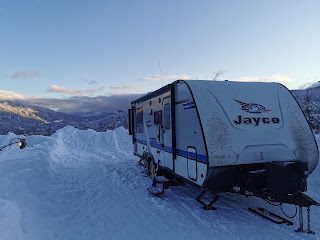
(22,117)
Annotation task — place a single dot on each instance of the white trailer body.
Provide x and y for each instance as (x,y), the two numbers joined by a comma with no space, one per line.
(220,135)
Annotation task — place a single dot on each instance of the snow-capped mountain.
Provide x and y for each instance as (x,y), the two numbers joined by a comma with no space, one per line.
(21,117)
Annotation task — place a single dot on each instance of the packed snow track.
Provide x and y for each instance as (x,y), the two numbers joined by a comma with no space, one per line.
(86,185)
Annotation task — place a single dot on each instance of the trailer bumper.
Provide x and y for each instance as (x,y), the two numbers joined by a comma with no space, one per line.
(275,181)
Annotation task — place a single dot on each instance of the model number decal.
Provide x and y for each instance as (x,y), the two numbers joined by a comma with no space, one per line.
(256,121)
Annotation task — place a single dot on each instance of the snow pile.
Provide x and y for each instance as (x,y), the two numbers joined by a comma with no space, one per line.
(85,185)
(10,220)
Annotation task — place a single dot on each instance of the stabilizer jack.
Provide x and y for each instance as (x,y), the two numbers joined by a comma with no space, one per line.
(300,229)
(212,198)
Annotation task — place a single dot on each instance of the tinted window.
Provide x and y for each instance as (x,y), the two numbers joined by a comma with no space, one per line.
(139,120)
(167,116)
(158,117)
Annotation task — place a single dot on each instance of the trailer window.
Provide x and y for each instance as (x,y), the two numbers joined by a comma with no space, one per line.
(158,117)
(167,116)
(139,120)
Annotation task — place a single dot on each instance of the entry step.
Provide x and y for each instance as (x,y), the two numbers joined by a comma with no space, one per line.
(161,179)
(156,190)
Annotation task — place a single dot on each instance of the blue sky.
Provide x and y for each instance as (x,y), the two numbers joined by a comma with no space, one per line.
(61,49)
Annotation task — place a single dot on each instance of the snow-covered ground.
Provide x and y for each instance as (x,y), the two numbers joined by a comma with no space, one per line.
(86,185)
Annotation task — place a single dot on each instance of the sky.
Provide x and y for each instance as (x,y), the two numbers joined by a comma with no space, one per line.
(63,50)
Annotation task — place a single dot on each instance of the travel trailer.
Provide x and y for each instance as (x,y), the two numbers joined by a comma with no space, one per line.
(245,137)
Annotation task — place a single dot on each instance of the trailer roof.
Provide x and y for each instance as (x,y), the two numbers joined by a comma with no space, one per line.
(168,87)
(154,94)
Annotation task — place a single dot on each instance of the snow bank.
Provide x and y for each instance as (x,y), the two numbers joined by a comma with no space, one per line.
(10,220)
(85,185)
(55,180)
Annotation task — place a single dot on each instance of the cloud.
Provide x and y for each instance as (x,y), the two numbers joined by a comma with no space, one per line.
(124,89)
(24,75)
(175,77)
(57,89)
(93,83)
(73,92)
(85,104)
(280,78)
(154,77)
(127,87)
(77,104)
(93,91)
(157,77)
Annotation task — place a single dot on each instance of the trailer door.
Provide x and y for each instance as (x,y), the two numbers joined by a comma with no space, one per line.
(166,132)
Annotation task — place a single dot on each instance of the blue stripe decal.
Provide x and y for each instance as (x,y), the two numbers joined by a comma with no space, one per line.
(140,141)
(188,103)
(180,152)
(201,158)
(159,146)
(189,107)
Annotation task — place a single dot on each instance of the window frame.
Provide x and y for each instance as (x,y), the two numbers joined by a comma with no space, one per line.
(167,116)
(139,120)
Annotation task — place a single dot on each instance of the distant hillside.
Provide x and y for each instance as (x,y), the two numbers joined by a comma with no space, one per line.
(21,117)
(314,94)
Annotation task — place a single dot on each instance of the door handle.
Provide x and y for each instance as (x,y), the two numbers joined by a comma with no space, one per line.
(159,134)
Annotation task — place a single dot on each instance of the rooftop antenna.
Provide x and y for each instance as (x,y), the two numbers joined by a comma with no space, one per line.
(217,74)
(160,72)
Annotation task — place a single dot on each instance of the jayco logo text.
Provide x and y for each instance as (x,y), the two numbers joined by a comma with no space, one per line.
(255,109)
(256,121)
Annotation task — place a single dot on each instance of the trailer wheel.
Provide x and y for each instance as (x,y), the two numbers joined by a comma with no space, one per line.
(153,169)
(150,167)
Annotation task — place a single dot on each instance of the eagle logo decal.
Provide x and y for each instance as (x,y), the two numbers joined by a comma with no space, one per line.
(252,107)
